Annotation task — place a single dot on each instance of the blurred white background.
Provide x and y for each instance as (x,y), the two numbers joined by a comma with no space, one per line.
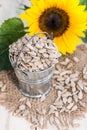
(11,8)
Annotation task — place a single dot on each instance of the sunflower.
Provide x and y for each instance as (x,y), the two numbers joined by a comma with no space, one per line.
(65,19)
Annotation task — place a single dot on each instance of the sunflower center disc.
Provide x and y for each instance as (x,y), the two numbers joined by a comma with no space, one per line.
(54,20)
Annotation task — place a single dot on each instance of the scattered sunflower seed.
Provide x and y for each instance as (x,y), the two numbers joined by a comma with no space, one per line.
(76,59)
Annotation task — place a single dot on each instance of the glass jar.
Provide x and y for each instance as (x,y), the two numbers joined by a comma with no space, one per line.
(34,84)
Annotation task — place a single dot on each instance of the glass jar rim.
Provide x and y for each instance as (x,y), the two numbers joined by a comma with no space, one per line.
(35,72)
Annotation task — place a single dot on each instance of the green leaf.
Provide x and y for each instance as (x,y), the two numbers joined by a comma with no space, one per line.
(4,62)
(26,7)
(10,31)
(84,2)
(85,39)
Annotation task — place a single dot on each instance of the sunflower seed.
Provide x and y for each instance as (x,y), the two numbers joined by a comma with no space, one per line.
(51,120)
(57,120)
(52,109)
(76,59)
(85,76)
(54,85)
(45,55)
(80,95)
(80,84)
(57,123)
(56,113)
(24,40)
(39,111)
(60,79)
(34,120)
(22,107)
(41,120)
(85,89)
(59,95)
(63,63)
(73,87)
(69,65)
(56,72)
(62,110)
(43,97)
(84,70)
(25,113)
(72,83)
(67,81)
(39,46)
(65,100)
(85,84)
(51,56)
(44,111)
(75,98)
(22,99)
(58,87)
(1,84)
(30,47)
(75,75)
(42,51)
(33,54)
(65,72)
(66,94)
(69,100)
(58,103)
(17,112)
(70,105)
(74,108)
(3,88)
(34,126)
(28,104)
(82,104)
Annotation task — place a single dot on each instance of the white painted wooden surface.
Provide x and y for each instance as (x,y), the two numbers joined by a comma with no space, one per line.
(8,122)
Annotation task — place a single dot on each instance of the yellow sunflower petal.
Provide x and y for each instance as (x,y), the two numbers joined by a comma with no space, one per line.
(41,5)
(71,42)
(34,2)
(24,16)
(34,10)
(34,29)
(60,45)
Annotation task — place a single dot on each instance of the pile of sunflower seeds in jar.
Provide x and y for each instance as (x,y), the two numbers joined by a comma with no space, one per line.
(36,54)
